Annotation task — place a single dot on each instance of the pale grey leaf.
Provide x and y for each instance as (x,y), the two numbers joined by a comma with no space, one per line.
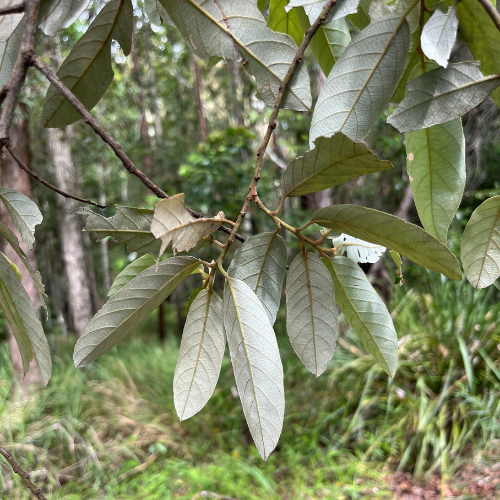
(8,54)
(313,8)
(130,306)
(10,22)
(22,318)
(439,36)
(480,248)
(363,80)
(256,363)
(156,12)
(442,95)
(378,9)
(365,311)
(357,250)
(130,272)
(24,213)
(55,15)
(311,319)
(261,263)
(236,30)
(200,354)
(333,161)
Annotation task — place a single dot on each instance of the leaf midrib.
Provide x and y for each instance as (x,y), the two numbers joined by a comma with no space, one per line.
(311,309)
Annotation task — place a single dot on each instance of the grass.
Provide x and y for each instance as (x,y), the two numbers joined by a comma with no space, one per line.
(110,431)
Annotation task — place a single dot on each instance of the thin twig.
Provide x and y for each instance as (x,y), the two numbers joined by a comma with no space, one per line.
(252,190)
(23,475)
(30,172)
(491,11)
(13,9)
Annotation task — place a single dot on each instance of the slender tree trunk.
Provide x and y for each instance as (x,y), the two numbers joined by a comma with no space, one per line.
(13,177)
(235,101)
(153,91)
(202,124)
(104,242)
(80,300)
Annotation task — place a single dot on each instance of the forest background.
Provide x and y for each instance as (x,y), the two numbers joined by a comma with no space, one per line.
(110,431)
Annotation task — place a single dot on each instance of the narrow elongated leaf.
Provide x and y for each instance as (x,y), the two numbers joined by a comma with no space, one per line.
(363,80)
(55,15)
(12,240)
(130,272)
(261,263)
(10,22)
(442,95)
(24,213)
(256,363)
(236,30)
(313,8)
(391,232)
(365,311)
(200,354)
(8,54)
(357,250)
(131,226)
(87,70)
(333,161)
(439,35)
(285,22)
(131,305)
(311,319)
(436,167)
(172,223)
(480,249)
(22,318)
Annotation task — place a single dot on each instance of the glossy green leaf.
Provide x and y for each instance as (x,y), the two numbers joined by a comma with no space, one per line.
(333,161)
(256,364)
(261,263)
(87,70)
(363,80)
(436,167)
(236,30)
(439,36)
(311,319)
(129,307)
(285,22)
(8,54)
(55,15)
(480,249)
(200,355)
(442,95)
(391,232)
(365,311)
(24,213)
(130,272)
(22,318)
(10,22)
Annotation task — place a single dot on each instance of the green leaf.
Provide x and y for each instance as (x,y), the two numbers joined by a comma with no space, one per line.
(442,95)
(236,30)
(16,269)
(439,36)
(389,231)
(131,305)
(436,167)
(193,296)
(412,61)
(87,70)
(130,272)
(10,22)
(311,319)
(256,364)
(22,318)
(363,80)
(200,355)
(131,226)
(333,161)
(365,311)
(8,54)
(55,15)
(261,4)
(480,249)
(361,19)
(285,22)
(329,42)
(24,213)
(156,12)
(261,263)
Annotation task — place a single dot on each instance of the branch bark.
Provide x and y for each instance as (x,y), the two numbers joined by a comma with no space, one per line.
(14,9)
(23,475)
(491,11)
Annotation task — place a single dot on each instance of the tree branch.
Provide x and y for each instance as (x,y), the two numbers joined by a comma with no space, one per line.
(491,11)
(22,166)
(23,475)
(252,190)
(14,9)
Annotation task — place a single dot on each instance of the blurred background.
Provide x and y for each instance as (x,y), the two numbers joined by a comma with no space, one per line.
(110,430)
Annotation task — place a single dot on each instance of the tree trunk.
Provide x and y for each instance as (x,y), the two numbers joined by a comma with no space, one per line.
(13,177)
(202,124)
(80,300)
